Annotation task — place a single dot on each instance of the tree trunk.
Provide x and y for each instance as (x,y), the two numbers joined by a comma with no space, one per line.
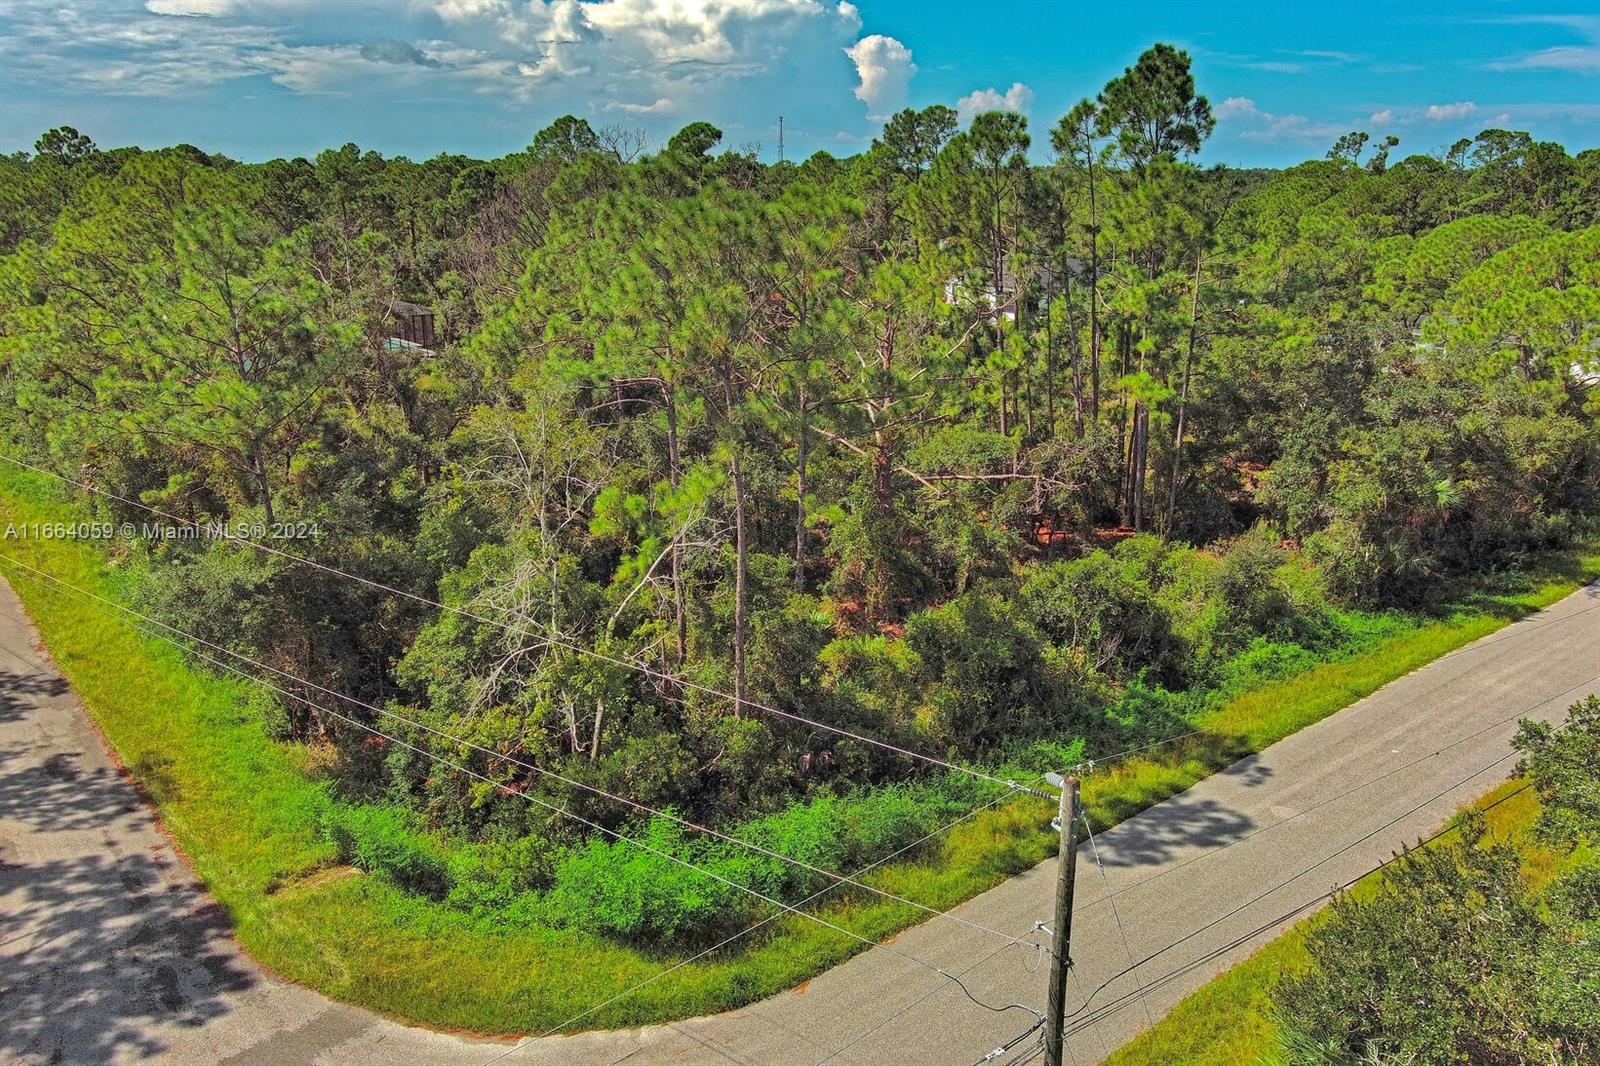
(1141,460)
(1094,299)
(258,471)
(741,549)
(681,617)
(1049,364)
(1025,384)
(800,500)
(1183,397)
(1125,420)
(1004,399)
(1077,367)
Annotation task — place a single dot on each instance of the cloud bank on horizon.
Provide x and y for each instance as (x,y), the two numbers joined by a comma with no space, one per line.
(263,77)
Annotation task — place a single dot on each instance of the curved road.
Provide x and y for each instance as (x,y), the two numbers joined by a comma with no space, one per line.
(110,952)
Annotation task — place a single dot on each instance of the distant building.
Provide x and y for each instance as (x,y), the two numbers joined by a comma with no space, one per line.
(1001,299)
(410,324)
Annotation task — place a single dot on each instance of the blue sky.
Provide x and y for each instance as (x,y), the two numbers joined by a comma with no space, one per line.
(259,78)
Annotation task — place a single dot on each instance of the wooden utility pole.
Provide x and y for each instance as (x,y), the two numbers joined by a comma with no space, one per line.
(1060,959)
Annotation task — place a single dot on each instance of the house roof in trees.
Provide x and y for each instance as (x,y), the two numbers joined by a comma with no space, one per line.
(407,309)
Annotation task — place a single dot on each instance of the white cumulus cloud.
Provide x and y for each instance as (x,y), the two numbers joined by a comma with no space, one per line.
(1235,107)
(1254,124)
(662,104)
(190,7)
(1382,118)
(1449,112)
(650,59)
(1017,98)
(884,66)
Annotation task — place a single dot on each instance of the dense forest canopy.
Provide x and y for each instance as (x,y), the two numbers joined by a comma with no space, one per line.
(996,459)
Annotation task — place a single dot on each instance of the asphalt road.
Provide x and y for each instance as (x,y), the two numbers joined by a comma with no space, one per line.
(111,952)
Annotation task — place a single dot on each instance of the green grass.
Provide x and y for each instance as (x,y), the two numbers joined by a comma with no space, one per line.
(1229,1021)
(244,809)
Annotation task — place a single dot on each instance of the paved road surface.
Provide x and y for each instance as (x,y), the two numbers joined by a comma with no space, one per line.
(110,952)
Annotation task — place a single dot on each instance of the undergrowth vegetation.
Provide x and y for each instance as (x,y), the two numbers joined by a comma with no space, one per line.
(370,903)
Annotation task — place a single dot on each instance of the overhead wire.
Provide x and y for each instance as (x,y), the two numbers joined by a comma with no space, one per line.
(558,640)
(1142,989)
(513,760)
(549,633)
(1012,1044)
(1105,881)
(1116,1004)
(913,1004)
(719,945)
(1290,880)
(1105,1046)
(90,597)
(555,638)
(1211,852)
(1511,632)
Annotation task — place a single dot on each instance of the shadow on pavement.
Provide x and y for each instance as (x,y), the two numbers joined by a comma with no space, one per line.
(1156,836)
(14,686)
(104,942)
(93,950)
(59,794)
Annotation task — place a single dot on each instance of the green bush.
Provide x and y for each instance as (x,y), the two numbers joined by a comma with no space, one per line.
(986,673)
(1463,954)
(639,893)
(1146,712)
(644,896)
(811,833)
(381,840)
(881,822)
(1261,662)
(1247,582)
(1105,605)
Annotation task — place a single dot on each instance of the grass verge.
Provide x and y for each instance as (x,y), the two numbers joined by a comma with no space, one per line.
(244,809)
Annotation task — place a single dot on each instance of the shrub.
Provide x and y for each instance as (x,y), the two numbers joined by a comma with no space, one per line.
(1561,762)
(1145,712)
(811,833)
(1247,581)
(1261,662)
(1461,955)
(1450,962)
(627,891)
(985,672)
(881,822)
(381,840)
(1106,606)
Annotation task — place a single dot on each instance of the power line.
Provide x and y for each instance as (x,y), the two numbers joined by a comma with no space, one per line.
(1089,765)
(752,928)
(550,634)
(500,757)
(554,637)
(554,808)
(913,1005)
(1105,1046)
(1127,950)
(1011,1045)
(1116,1004)
(1325,859)
(1347,792)
(645,669)
(1511,631)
